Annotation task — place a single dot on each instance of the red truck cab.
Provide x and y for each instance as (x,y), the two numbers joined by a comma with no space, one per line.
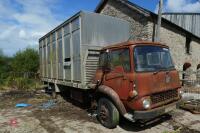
(137,80)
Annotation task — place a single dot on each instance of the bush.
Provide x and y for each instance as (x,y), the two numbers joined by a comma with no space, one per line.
(22,83)
(26,61)
(9,81)
(18,71)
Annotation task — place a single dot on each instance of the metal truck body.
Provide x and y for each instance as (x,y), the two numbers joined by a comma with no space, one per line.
(69,53)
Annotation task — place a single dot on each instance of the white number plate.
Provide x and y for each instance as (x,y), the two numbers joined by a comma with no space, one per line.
(168,109)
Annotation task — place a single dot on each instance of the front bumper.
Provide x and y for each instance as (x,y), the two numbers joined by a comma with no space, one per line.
(153,113)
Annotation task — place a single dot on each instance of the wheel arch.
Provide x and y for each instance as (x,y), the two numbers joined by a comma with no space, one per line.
(107,92)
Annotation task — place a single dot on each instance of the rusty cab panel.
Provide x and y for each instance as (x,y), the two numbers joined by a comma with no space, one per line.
(119,74)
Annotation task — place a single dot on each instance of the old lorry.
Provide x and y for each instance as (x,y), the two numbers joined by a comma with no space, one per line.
(133,79)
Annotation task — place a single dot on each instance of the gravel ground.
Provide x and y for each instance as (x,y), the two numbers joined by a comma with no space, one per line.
(66,117)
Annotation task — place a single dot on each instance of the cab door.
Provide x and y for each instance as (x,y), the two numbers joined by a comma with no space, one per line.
(120,69)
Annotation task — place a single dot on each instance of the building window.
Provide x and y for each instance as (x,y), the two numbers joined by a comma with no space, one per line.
(187,45)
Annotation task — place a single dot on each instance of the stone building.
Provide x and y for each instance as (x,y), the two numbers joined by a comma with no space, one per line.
(184,45)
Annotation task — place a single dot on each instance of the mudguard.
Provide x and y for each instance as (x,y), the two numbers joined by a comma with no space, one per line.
(113,96)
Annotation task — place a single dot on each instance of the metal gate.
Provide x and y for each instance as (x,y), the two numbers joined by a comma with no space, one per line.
(191,91)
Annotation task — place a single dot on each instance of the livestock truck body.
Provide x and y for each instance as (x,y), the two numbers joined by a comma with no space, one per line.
(69,54)
(133,79)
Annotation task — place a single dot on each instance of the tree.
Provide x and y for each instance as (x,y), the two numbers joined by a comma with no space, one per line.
(2,62)
(26,61)
(5,65)
(1,52)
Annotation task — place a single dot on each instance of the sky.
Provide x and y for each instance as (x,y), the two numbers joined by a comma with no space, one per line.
(23,22)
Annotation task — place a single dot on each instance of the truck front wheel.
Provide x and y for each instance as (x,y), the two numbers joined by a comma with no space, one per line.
(108,115)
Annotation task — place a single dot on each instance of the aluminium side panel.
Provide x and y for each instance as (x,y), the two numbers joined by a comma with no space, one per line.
(98,31)
(76,49)
(48,57)
(53,55)
(60,54)
(67,52)
(101,30)
(44,58)
(71,36)
(41,58)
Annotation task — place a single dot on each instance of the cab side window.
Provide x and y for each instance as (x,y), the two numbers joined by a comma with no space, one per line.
(120,58)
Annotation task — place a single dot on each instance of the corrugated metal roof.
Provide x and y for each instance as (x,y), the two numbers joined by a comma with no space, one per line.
(188,21)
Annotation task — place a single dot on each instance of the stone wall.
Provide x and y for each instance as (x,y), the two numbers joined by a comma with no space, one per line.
(195,54)
(139,23)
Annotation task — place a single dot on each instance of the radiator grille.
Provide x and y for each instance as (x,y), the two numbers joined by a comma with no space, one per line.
(163,96)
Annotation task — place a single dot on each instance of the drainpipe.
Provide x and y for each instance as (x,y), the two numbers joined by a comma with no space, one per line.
(157,38)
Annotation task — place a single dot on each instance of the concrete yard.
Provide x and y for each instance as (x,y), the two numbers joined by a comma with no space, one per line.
(65,117)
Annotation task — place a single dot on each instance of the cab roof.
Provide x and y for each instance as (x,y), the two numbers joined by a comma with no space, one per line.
(136,43)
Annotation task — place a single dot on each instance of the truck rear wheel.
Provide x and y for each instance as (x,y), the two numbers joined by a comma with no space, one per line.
(107,113)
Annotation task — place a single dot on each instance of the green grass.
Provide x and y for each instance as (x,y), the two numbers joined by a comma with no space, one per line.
(20,83)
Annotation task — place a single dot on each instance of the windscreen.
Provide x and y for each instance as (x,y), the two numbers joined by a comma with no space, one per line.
(152,58)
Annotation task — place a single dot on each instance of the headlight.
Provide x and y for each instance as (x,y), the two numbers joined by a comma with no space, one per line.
(146,103)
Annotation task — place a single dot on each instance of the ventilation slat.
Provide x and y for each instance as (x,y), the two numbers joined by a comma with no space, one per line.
(91,66)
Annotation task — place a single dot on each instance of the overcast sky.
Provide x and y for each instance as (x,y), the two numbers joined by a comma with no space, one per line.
(23,22)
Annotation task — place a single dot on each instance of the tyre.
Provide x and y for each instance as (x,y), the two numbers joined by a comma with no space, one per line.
(107,113)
